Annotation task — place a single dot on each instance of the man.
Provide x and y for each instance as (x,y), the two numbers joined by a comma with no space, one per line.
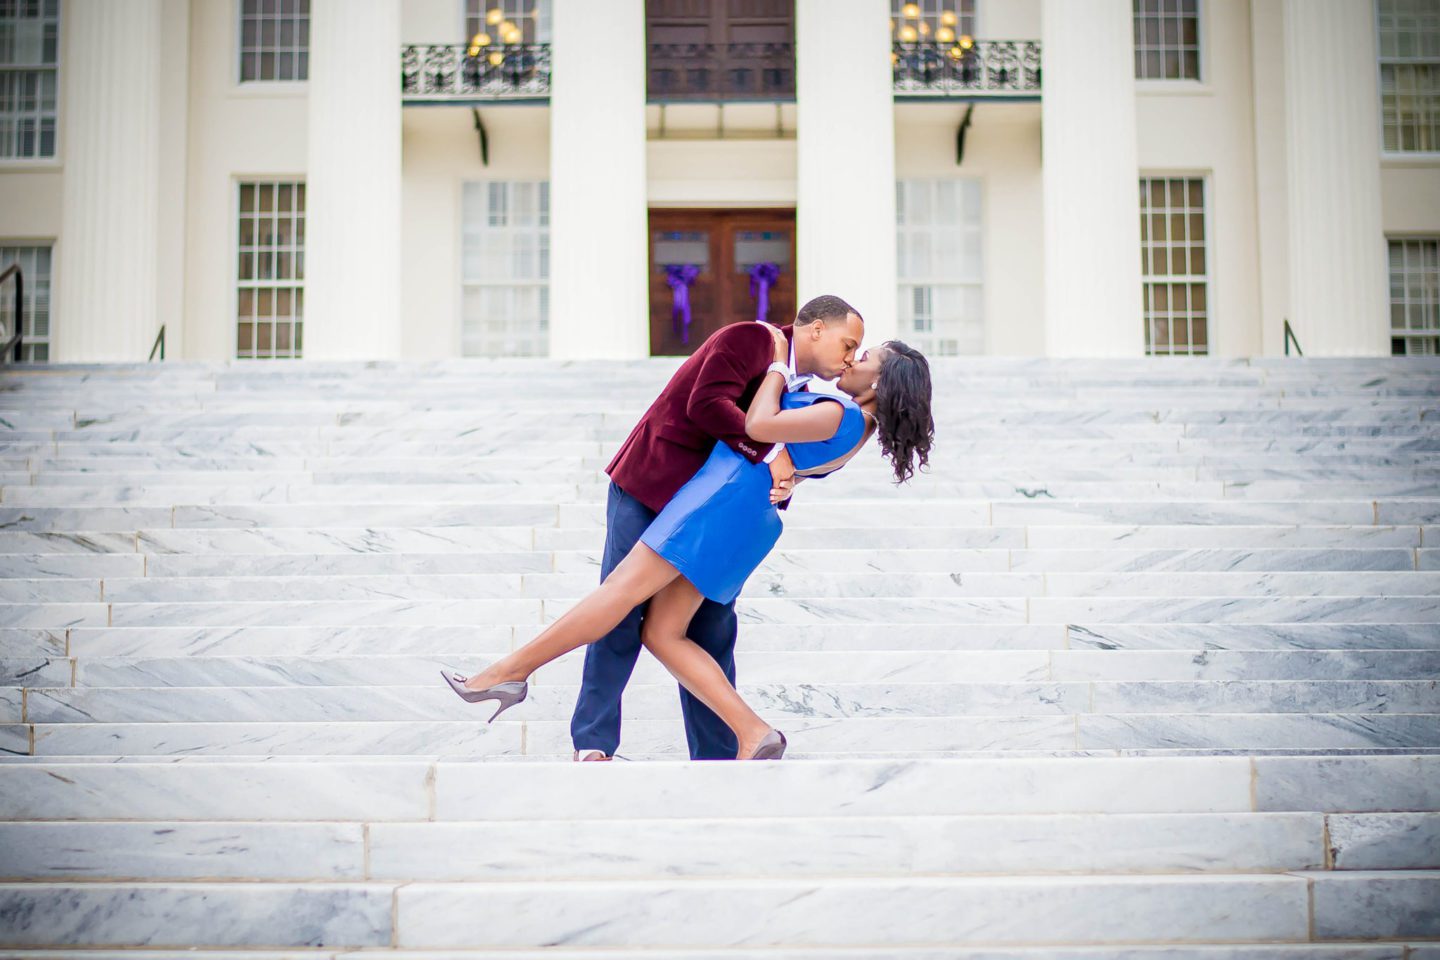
(704,402)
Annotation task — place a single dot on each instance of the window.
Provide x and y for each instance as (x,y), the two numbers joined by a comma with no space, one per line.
(270,295)
(930,18)
(530,17)
(1173,261)
(29,60)
(939,265)
(1167,40)
(505,256)
(274,40)
(1415,296)
(1409,34)
(35,270)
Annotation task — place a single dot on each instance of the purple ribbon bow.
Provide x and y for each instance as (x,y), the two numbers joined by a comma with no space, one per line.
(680,276)
(762,278)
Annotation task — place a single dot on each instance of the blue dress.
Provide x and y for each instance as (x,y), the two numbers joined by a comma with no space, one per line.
(721,524)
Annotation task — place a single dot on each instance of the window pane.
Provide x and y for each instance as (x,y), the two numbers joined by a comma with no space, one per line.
(505,244)
(274,37)
(269,295)
(29,34)
(938,250)
(34,263)
(1172,242)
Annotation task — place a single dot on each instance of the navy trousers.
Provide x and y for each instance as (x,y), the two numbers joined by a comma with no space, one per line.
(610,660)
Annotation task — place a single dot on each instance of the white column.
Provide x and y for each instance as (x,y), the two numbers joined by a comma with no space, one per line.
(845,158)
(1091,180)
(1338,274)
(599,251)
(352,193)
(105,275)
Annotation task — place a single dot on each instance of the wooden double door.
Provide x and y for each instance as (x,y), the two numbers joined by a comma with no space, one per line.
(715,254)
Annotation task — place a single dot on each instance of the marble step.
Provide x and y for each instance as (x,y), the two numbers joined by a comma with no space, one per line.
(810,737)
(784,666)
(469,641)
(841,612)
(368,789)
(637,849)
(709,913)
(844,536)
(876,583)
(886,561)
(1206,843)
(657,701)
(1413,950)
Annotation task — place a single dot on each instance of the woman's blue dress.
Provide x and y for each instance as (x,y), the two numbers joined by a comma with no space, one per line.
(721,524)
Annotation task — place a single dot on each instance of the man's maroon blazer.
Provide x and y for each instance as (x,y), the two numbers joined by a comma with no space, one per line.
(704,401)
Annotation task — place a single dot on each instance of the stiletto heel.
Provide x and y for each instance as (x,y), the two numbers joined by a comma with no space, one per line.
(770,748)
(508,694)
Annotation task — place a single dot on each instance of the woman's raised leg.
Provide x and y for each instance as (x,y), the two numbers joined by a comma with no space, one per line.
(663,634)
(636,579)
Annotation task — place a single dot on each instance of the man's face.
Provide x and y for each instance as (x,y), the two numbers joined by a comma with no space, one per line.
(833,344)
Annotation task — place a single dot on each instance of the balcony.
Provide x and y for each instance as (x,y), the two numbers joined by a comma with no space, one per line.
(447,73)
(721,73)
(985,70)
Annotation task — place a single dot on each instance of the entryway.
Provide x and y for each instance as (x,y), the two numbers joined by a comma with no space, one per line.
(709,268)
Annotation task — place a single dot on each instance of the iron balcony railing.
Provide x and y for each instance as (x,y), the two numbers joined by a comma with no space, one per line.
(459,73)
(719,72)
(986,69)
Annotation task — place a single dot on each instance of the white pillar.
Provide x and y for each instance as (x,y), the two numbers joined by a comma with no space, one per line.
(1091,180)
(352,193)
(1338,274)
(105,276)
(599,248)
(845,158)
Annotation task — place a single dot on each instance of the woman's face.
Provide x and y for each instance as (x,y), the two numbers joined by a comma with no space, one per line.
(859,380)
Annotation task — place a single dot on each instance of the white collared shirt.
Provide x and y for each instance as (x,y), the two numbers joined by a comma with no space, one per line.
(793,381)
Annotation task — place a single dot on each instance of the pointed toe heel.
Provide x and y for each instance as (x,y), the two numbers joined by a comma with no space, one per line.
(506,694)
(772,747)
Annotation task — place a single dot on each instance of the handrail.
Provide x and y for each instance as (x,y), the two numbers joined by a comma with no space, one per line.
(1289,339)
(159,344)
(17,340)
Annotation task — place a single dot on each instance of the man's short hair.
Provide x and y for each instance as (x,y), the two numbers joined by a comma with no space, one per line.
(829,308)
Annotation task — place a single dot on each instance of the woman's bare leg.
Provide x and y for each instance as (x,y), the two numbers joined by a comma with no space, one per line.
(663,634)
(639,576)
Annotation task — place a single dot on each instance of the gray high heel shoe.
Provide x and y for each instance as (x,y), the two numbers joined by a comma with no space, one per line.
(770,748)
(508,694)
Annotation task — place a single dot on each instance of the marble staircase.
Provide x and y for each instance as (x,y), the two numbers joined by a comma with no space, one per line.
(1147,665)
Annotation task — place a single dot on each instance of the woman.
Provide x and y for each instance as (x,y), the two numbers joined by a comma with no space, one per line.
(723,522)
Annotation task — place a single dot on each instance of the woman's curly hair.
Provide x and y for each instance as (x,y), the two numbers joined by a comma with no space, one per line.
(902,413)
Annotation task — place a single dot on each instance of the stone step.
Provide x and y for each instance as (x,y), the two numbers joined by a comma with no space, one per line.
(1002,610)
(888,561)
(877,583)
(369,789)
(657,701)
(462,642)
(999,610)
(500,539)
(1206,843)
(810,737)
(709,913)
(785,666)
(1413,950)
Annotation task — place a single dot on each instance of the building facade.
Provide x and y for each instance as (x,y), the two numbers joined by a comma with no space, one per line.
(378,179)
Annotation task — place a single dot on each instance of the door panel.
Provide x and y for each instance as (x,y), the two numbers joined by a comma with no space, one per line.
(723,245)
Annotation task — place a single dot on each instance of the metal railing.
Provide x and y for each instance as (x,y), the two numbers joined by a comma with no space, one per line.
(447,73)
(14,347)
(988,68)
(720,72)
(159,344)
(1289,339)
